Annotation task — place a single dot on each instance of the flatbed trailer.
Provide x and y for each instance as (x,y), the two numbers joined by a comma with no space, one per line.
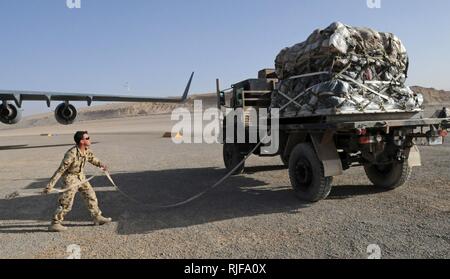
(315,148)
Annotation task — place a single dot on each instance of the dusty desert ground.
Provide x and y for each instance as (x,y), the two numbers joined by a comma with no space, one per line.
(254,215)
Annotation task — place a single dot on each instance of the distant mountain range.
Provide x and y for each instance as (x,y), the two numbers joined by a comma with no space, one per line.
(434,99)
(433,96)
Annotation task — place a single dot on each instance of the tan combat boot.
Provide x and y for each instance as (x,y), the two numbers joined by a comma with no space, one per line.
(57,228)
(100,220)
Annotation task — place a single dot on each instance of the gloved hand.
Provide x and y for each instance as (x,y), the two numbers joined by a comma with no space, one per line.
(47,190)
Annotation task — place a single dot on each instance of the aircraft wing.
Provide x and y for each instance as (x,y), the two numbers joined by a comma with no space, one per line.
(18,96)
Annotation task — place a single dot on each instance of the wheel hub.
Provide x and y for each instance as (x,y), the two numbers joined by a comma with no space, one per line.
(304,173)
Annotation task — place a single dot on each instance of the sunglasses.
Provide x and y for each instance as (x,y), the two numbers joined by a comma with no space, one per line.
(88,138)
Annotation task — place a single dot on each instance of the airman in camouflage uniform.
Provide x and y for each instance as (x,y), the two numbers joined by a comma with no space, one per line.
(72,172)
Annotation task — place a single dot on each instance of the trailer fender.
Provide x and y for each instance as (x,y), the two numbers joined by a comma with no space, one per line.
(292,141)
(414,158)
(327,152)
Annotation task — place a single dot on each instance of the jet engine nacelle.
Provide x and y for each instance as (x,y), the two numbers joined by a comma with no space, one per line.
(65,114)
(10,114)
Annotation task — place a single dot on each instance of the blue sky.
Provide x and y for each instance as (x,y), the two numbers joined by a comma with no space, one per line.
(154,45)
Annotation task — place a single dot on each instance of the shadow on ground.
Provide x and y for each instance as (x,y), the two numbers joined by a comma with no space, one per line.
(239,196)
(347,191)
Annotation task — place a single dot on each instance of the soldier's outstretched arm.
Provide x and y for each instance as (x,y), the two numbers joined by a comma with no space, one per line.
(65,164)
(95,161)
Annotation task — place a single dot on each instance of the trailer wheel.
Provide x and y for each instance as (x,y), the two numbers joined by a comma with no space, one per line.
(232,157)
(389,176)
(307,174)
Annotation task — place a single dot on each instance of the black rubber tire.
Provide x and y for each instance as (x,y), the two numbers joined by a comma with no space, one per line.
(306,173)
(390,176)
(232,157)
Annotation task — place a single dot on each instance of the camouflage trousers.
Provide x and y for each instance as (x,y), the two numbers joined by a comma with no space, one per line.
(65,200)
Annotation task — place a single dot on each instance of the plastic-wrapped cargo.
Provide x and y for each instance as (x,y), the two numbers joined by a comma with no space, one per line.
(344,69)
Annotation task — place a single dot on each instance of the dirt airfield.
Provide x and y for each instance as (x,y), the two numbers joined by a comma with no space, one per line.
(254,215)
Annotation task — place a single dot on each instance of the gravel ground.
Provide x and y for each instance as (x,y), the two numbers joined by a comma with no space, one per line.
(254,215)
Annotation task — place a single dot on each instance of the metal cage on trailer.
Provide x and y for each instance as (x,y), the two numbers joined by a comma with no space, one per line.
(315,148)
